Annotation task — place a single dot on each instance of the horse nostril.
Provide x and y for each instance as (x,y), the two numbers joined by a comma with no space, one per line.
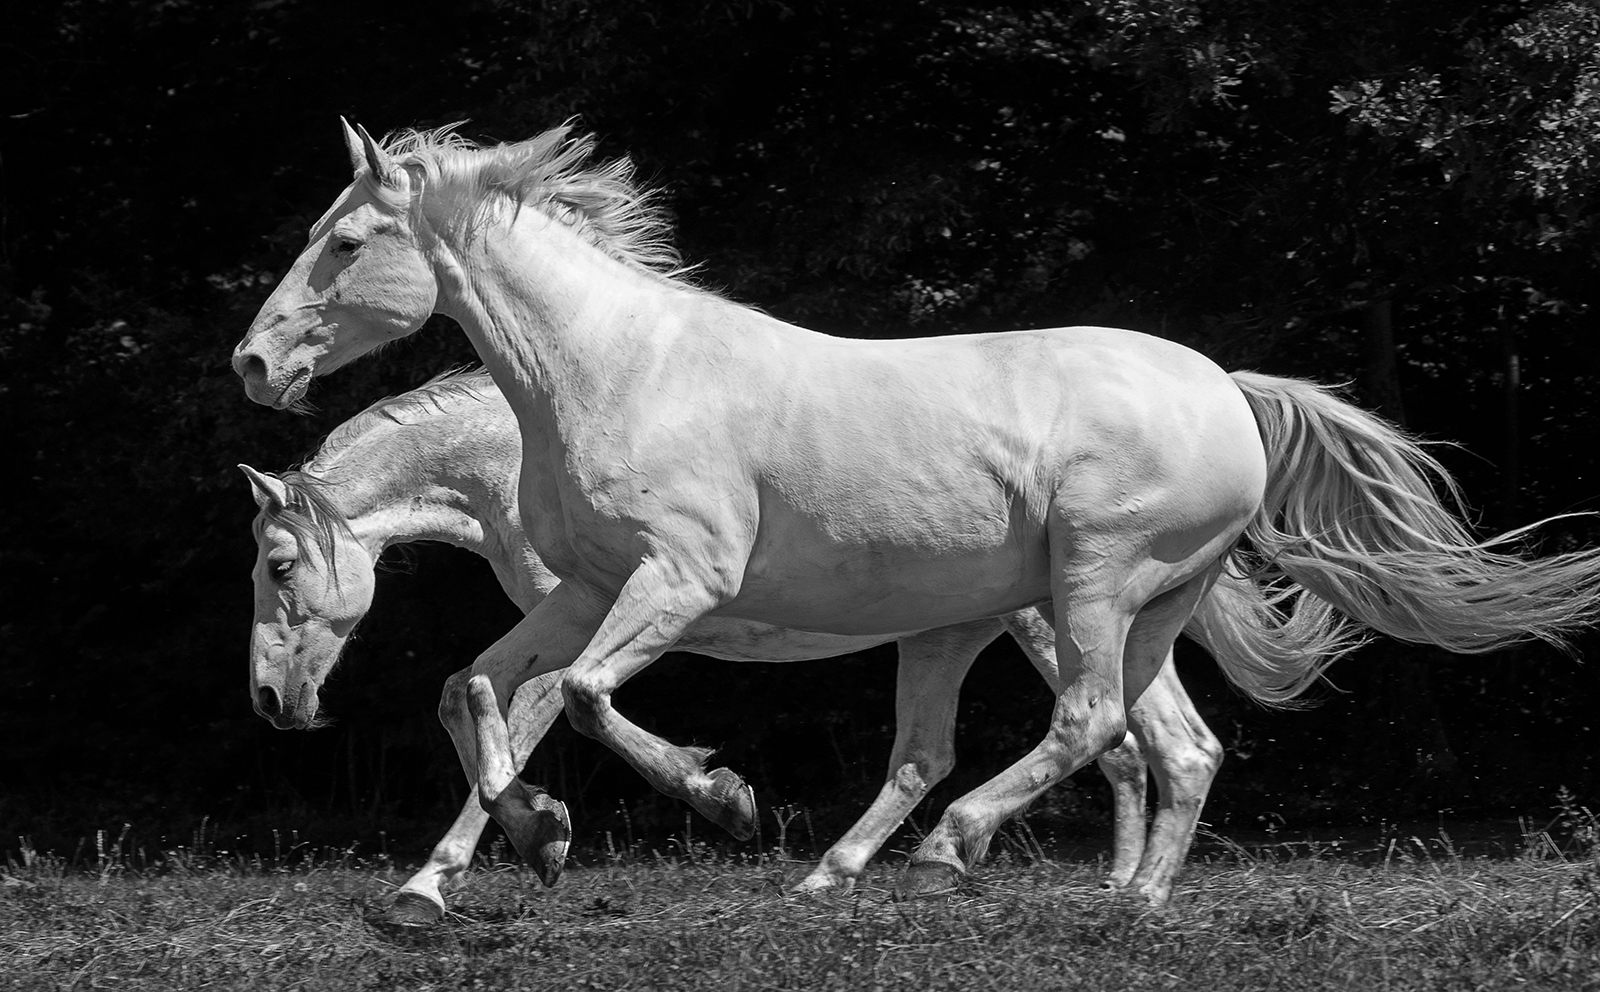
(250,366)
(266,701)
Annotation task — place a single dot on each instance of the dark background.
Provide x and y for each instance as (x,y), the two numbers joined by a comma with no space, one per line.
(1396,196)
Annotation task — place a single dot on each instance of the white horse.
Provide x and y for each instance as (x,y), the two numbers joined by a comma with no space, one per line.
(685,456)
(441,463)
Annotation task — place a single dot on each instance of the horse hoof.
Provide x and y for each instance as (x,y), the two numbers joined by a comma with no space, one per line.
(733,804)
(411,909)
(537,825)
(923,879)
(819,885)
(1154,896)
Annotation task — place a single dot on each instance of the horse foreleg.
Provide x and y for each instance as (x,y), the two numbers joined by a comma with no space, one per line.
(932,666)
(657,603)
(543,642)
(534,707)
(1187,758)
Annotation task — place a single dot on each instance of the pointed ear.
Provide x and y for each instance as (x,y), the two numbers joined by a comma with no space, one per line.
(352,144)
(268,491)
(377,159)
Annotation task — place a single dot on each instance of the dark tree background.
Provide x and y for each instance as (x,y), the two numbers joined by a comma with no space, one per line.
(1400,197)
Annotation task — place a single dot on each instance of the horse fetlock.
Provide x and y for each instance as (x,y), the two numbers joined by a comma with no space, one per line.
(963,835)
(1154,895)
(1115,882)
(841,864)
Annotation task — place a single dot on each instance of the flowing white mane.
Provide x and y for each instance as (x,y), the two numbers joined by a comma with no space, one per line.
(552,172)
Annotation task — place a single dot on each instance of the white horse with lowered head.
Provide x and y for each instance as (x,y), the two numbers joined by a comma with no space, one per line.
(442,462)
(685,457)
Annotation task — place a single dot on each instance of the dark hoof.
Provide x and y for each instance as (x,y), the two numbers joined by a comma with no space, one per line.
(733,804)
(922,879)
(412,910)
(537,825)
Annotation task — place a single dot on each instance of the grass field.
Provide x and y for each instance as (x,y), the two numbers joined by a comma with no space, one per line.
(1416,915)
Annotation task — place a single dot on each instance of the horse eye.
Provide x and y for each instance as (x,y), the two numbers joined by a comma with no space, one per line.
(280,569)
(346,248)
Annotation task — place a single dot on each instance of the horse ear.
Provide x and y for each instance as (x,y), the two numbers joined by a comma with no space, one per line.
(352,144)
(377,159)
(269,491)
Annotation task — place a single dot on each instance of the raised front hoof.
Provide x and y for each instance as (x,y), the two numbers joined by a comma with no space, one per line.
(732,804)
(926,879)
(411,909)
(537,825)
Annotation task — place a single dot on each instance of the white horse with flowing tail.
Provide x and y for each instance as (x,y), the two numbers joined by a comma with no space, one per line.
(442,462)
(685,457)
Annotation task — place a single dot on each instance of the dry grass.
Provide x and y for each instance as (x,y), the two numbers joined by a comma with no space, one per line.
(1419,918)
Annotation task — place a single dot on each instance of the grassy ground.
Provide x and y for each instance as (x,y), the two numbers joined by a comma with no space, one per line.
(1416,916)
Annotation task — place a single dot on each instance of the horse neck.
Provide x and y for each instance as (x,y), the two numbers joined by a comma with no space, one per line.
(410,484)
(552,317)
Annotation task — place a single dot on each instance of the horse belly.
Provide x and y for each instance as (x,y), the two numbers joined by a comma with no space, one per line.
(732,639)
(909,570)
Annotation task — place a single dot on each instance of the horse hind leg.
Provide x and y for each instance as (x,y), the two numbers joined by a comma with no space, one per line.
(932,667)
(1087,720)
(1124,765)
(1187,758)
(1090,717)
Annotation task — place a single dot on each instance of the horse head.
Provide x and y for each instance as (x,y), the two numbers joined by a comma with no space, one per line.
(314,582)
(362,281)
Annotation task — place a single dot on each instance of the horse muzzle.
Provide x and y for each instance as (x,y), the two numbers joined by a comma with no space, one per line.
(262,386)
(270,707)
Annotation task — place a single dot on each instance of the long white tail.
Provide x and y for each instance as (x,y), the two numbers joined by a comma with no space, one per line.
(1352,514)
(1271,640)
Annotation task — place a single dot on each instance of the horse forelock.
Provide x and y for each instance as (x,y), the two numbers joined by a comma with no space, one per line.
(310,516)
(554,172)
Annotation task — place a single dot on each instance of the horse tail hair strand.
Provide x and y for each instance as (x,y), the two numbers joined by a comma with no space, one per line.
(1353,514)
